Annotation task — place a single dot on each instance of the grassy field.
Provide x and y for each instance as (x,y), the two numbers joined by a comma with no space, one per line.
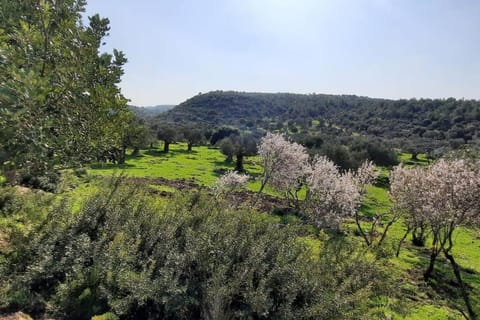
(203,165)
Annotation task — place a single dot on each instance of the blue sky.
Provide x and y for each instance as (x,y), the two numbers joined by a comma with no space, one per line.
(377,48)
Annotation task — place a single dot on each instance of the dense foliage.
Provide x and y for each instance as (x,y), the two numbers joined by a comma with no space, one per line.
(194,258)
(368,127)
(59,99)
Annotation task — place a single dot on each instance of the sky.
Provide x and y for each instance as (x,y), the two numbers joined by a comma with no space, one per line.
(377,48)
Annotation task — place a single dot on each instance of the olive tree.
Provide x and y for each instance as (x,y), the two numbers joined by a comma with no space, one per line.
(168,135)
(240,146)
(193,136)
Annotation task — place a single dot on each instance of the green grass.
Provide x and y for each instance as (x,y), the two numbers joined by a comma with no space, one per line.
(440,298)
(406,158)
(203,165)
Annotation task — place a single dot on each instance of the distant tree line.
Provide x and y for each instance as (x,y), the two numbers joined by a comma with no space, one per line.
(430,125)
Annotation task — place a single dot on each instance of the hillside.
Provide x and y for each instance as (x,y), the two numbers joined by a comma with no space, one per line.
(424,122)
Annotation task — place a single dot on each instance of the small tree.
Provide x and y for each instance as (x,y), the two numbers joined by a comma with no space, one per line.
(406,186)
(226,147)
(192,136)
(229,184)
(136,136)
(242,145)
(245,146)
(284,164)
(331,195)
(450,198)
(168,135)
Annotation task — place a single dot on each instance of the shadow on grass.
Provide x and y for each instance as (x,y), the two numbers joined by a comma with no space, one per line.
(382,182)
(229,165)
(419,161)
(443,284)
(171,153)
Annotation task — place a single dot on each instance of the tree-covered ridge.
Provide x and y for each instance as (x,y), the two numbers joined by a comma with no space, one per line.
(426,123)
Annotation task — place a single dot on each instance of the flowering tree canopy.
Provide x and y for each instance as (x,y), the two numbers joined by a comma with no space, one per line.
(284,163)
(333,195)
(443,197)
(231,181)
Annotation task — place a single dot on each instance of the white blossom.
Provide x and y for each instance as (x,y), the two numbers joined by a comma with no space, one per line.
(231,181)
(331,195)
(284,163)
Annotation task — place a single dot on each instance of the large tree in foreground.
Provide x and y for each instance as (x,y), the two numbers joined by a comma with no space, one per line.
(447,196)
(59,99)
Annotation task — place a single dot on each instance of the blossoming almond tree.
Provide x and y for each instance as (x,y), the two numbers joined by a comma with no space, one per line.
(231,181)
(284,165)
(448,196)
(333,195)
(406,189)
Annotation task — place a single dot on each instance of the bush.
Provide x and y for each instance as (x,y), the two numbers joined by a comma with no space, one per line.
(194,258)
(47,182)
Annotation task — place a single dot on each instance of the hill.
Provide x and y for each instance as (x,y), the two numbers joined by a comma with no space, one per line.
(423,123)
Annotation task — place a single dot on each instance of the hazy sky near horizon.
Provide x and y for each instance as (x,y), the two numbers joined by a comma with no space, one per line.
(377,48)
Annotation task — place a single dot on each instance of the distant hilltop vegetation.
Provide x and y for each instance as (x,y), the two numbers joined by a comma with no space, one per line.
(146,112)
(431,121)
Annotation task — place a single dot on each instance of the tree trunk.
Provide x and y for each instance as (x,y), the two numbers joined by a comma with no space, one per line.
(414,156)
(428,273)
(463,290)
(189,146)
(418,239)
(166,146)
(121,159)
(239,164)
(229,158)
(360,229)
(136,151)
(401,242)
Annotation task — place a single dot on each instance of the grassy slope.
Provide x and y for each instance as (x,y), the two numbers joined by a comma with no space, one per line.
(203,165)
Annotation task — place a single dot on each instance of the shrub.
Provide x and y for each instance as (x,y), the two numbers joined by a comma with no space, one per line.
(193,258)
